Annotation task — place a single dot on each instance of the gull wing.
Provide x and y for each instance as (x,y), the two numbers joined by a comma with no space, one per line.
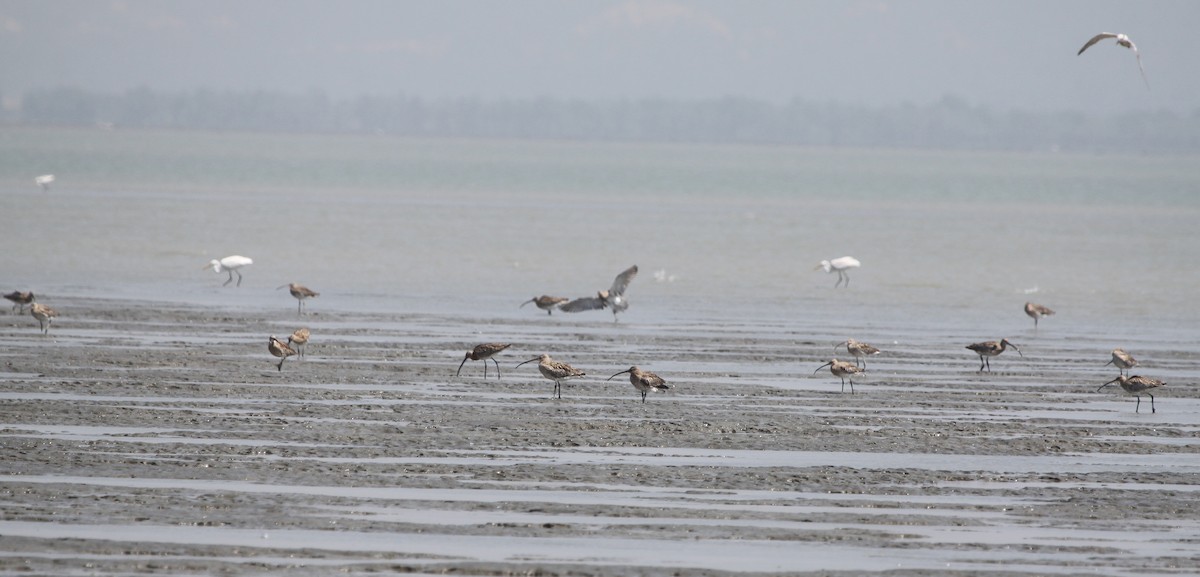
(622,281)
(583,304)
(1095,39)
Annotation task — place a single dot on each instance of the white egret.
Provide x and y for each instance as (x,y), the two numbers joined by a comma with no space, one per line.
(44,181)
(840,266)
(230,264)
(1122,40)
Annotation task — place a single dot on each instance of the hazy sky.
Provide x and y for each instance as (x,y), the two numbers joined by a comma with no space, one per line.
(1003,54)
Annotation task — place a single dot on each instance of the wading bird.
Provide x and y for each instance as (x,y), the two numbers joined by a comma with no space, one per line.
(1123,360)
(1137,386)
(546,302)
(483,353)
(555,371)
(843,371)
(20,299)
(230,264)
(280,349)
(859,350)
(298,340)
(301,292)
(643,381)
(44,315)
(1036,311)
(44,181)
(988,349)
(840,266)
(613,298)
(1122,40)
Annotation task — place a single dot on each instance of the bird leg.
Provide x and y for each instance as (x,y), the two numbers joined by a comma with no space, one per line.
(230,278)
(280,366)
(1152,409)
(239,273)
(497,368)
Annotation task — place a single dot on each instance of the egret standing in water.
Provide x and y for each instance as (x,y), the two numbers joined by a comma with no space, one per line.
(230,264)
(44,181)
(840,266)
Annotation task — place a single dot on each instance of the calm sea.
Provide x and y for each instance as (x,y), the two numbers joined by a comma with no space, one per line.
(951,242)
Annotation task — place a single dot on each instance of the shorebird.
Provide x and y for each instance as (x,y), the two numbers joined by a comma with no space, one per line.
(44,181)
(280,349)
(644,381)
(858,350)
(230,264)
(44,315)
(614,297)
(299,338)
(1122,40)
(1122,360)
(483,353)
(991,349)
(1036,311)
(840,266)
(1136,386)
(301,292)
(843,371)
(556,371)
(20,299)
(546,302)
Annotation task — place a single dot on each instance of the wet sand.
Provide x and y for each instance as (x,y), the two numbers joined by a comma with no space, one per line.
(160,438)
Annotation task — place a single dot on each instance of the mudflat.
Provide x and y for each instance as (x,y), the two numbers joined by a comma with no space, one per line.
(141,437)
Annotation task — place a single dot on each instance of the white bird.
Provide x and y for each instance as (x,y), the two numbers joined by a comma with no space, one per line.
(839,265)
(230,264)
(44,181)
(1122,40)
(613,297)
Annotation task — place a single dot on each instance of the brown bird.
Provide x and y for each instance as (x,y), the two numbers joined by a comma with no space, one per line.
(483,353)
(614,297)
(20,299)
(44,315)
(858,350)
(1036,311)
(1136,386)
(298,340)
(644,381)
(280,349)
(546,302)
(555,371)
(843,371)
(991,349)
(301,292)
(1122,40)
(1122,360)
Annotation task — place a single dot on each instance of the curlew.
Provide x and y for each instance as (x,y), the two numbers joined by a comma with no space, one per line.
(1122,40)
(301,292)
(859,350)
(546,302)
(1137,386)
(298,340)
(1036,311)
(280,349)
(644,381)
(484,352)
(840,266)
(44,315)
(44,181)
(20,299)
(988,349)
(1123,360)
(843,371)
(613,298)
(556,371)
(230,264)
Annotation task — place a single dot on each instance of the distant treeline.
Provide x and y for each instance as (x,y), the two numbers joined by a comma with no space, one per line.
(950,123)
